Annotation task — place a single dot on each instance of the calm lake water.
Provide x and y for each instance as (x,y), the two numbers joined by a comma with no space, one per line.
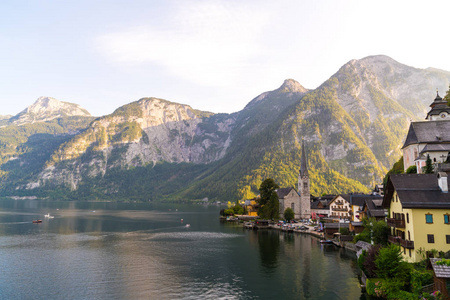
(144,251)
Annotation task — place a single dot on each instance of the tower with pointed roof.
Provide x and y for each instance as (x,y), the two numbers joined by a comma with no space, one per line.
(303,186)
(440,110)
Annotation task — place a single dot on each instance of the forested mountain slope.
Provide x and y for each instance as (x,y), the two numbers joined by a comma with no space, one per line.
(352,125)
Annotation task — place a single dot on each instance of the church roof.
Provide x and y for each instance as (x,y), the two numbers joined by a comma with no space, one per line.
(438,106)
(283,192)
(303,163)
(436,148)
(428,132)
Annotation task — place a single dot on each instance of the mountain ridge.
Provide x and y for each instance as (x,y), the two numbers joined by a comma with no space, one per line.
(352,125)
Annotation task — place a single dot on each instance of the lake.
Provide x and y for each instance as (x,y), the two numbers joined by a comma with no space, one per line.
(97,250)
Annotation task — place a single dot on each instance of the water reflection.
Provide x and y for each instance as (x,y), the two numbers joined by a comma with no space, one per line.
(269,248)
(142,251)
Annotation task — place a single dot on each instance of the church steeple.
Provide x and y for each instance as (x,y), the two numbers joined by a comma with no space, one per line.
(439,109)
(303,186)
(303,163)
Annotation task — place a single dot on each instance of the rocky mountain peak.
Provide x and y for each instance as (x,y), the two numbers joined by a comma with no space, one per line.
(46,109)
(291,86)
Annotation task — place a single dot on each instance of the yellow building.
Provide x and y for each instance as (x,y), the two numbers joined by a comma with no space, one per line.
(419,213)
(252,207)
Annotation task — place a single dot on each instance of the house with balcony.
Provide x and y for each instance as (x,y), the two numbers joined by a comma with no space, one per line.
(340,207)
(419,213)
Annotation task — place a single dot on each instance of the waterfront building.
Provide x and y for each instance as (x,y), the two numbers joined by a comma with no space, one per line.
(320,206)
(299,201)
(289,197)
(419,213)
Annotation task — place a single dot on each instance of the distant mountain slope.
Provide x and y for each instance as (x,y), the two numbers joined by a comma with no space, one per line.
(47,109)
(353,126)
(28,139)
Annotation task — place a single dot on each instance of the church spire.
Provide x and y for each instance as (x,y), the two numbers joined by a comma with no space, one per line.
(303,163)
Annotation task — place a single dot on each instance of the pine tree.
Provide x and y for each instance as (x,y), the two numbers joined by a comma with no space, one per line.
(428,165)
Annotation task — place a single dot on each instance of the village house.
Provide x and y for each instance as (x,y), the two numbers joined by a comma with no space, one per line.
(419,213)
(351,207)
(251,207)
(340,207)
(430,137)
(373,208)
(320,206)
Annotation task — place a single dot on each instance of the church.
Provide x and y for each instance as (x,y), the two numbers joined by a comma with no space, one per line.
(431,137)
(299,200)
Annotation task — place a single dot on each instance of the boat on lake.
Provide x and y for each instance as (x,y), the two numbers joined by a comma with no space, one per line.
(37,221)
(49,216)
(326,241)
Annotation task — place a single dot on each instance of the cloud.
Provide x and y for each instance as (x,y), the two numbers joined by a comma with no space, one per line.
(204,42)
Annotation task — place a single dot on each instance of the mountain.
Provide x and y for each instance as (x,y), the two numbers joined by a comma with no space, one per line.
(47,109)
(28,139)
(352,126)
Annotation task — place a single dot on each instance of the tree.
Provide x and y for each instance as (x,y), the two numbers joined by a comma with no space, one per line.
(447,96)
(411,170)
(265,190)
(388,261)
(268,201)
(380,232)
(428,165)
(289,214)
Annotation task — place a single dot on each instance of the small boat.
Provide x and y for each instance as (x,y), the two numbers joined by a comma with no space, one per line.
(49,216)
(326,241)
(37,221)
(188,225)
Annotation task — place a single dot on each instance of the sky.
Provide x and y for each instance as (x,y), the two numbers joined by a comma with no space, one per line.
(212,55)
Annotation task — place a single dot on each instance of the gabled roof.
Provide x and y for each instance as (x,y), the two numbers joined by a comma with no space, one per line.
(428,132)
(374,208)
(416,191)
(320,204)
(358,199)
(283,192)
(441,271)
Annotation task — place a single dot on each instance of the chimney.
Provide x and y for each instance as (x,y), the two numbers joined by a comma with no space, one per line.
(442,181)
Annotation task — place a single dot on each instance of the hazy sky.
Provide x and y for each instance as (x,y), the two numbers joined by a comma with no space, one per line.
(212,55)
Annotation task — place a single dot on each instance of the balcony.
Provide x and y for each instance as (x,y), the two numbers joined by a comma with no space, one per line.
(393,239)
(407,244)
(396,223)
(398,240)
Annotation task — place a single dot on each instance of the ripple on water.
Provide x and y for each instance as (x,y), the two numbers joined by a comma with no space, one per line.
(192,235)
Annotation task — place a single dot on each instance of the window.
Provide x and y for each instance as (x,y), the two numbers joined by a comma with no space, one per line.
(429,218)
(447,238)
(305,185)
(409,252)
(293,206)
(407,218)
(447,219)
(430,238)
